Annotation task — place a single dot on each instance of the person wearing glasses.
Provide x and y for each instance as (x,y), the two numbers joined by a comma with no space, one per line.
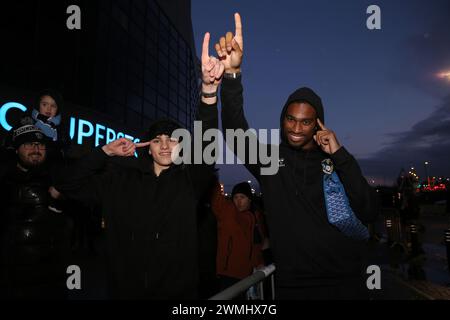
(33,241)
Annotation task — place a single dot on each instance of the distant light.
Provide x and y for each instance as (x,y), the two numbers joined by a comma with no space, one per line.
(444,75)
(249,182)
(426,162)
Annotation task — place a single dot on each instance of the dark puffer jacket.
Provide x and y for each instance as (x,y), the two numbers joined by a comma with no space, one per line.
(34,242)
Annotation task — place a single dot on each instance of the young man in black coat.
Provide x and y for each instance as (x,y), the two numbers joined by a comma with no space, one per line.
(315,259)
(150,210)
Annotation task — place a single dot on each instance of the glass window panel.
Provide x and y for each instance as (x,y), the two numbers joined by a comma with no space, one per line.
(134,102)
(149,110)
(162,103)
(133,119)
(150,95)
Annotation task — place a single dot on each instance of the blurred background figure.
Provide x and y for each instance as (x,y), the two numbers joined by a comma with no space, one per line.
(242,235)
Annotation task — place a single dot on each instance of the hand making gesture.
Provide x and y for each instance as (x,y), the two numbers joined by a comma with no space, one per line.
(230,48)
(123,148)
(212,72)
(326,139)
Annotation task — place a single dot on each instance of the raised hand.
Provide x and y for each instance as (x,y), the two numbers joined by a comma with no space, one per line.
(326,139)
(212,69)
(123,148)
(230,48)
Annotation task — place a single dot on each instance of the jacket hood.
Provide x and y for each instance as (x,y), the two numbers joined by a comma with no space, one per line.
(306,95)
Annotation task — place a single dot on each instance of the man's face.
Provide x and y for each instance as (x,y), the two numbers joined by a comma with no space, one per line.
(32,154)
(48,106)
(299,125)
(161,149)
(241,202)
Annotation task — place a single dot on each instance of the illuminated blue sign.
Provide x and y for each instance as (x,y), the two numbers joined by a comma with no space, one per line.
(79,129)
(5,108)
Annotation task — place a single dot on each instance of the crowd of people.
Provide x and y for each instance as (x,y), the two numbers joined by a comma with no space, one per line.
(313,227)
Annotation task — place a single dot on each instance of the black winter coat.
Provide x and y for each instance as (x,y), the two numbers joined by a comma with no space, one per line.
(151,225)
(308,250)
(34,243)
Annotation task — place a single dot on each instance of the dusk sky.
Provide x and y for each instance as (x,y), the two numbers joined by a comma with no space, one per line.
(381,88)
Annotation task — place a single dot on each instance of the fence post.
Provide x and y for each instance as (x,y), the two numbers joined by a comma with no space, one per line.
(447,244)
(389,231)
(414,240)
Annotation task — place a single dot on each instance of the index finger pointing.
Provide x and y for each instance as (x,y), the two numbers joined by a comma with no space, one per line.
(238,23)
(322,127)
(205,48)
(142,144)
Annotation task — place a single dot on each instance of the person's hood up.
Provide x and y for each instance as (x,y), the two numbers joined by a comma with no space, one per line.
(302,95)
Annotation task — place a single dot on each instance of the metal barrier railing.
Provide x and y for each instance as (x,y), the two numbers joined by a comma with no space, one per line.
(256,278)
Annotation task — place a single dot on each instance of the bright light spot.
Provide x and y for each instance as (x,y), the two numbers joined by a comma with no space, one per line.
(444,75)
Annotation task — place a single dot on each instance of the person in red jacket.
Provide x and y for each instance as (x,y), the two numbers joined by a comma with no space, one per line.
(241,235)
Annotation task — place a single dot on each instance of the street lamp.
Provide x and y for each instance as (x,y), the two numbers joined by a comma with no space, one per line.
(426,172)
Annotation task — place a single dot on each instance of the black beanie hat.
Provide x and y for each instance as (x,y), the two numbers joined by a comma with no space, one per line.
(28,133)
(243,188)
(55,95)
(160,127)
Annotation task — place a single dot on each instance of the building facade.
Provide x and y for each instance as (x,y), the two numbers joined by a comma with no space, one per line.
(132,61)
